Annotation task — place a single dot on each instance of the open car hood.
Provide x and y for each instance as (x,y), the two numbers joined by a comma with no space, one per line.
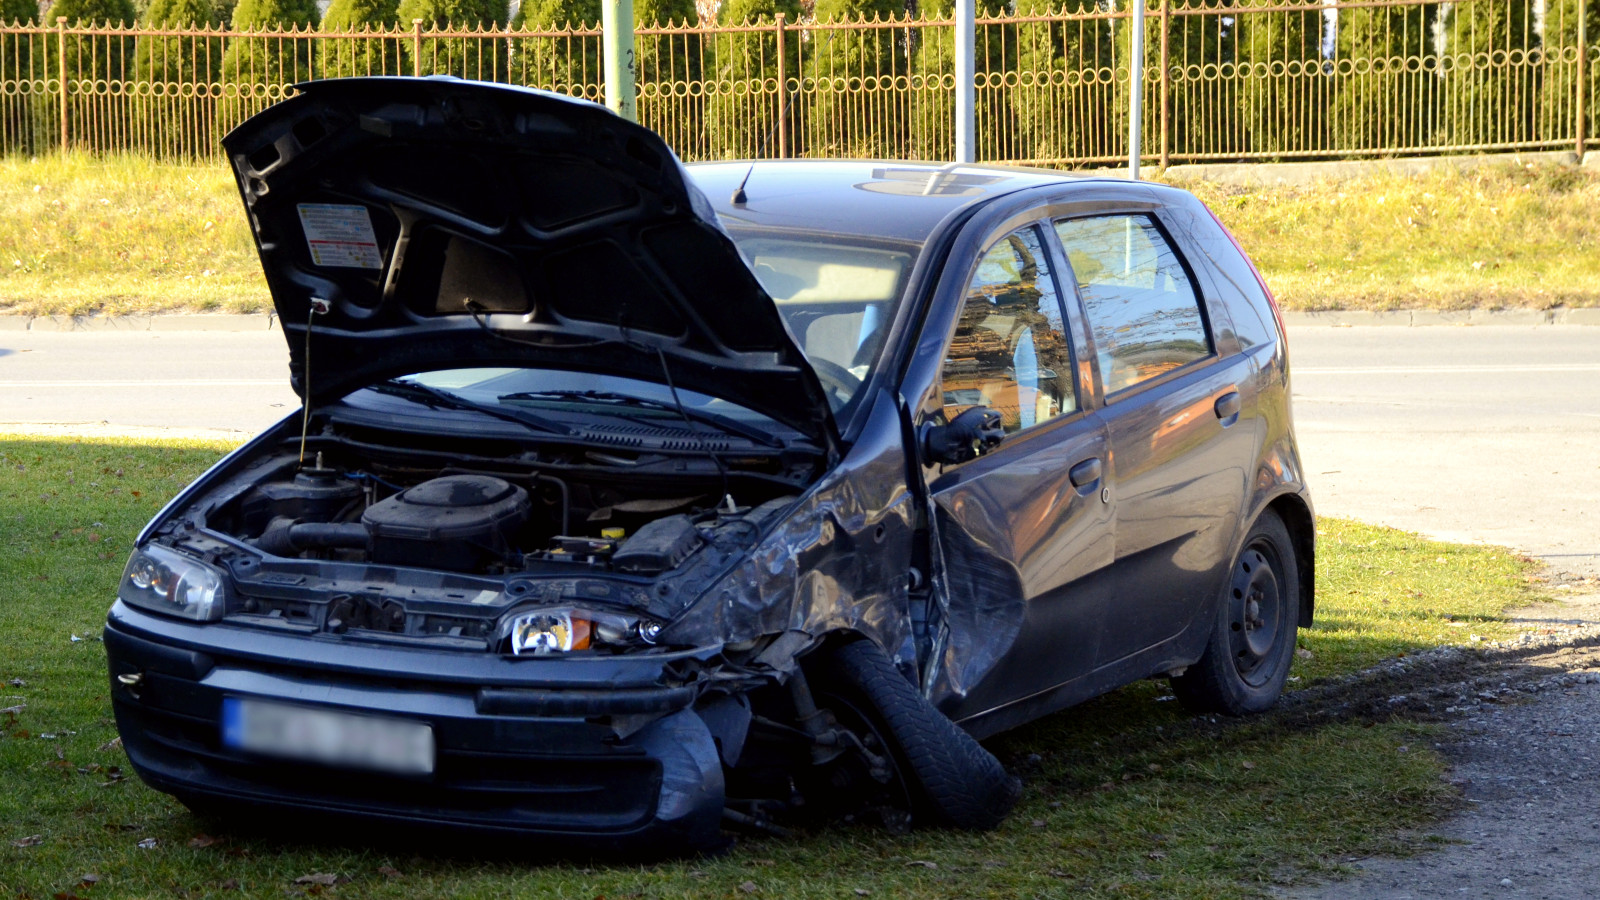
(446,223)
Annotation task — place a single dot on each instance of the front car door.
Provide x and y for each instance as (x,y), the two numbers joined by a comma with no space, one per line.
(1024,534)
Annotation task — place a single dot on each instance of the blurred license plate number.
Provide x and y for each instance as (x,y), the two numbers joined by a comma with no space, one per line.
(327,737)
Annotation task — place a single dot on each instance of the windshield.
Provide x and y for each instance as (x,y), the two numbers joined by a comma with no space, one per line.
(837,293)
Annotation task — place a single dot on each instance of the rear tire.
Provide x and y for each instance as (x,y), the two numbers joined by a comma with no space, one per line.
(951,780)
(1247,660)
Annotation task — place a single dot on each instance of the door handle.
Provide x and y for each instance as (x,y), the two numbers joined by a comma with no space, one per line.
(1228,406)
(1085,473)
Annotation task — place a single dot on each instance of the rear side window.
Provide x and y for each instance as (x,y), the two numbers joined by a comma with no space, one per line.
(1142,308)
(1010,350)
(1251,313)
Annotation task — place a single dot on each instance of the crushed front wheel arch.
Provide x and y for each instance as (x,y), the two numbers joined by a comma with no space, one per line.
(952,780)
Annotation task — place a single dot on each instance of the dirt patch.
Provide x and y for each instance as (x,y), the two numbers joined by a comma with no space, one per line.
(1524,733)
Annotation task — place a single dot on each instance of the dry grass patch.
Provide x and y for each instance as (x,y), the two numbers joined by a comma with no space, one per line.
(85,236)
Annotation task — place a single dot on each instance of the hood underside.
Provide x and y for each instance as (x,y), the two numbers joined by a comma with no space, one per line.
(447,224)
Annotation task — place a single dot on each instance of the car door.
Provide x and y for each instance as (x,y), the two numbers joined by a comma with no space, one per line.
(1023,531)
(1172,403)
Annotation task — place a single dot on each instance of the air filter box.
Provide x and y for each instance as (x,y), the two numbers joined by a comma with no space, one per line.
(459,522)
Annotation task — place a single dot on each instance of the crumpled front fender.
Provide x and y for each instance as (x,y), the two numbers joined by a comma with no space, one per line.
(836,560)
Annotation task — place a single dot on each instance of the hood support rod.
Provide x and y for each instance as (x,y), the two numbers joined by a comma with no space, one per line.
(318,307)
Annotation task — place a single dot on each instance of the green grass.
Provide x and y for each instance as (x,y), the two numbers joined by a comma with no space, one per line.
(82,236)
(1503,237)
(1126,796)
(123,235)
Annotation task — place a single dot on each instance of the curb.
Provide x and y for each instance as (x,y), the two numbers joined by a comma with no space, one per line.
(1299,174)
(1401,318)
(175,322)
(1417,318)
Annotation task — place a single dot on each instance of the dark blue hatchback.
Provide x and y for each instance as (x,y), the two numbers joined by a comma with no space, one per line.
(633,503)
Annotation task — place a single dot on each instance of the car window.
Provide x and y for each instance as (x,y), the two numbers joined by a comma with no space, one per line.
(1141,306)
(1010,352)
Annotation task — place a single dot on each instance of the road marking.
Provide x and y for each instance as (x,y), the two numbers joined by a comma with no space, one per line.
(189,382)
(1445,370)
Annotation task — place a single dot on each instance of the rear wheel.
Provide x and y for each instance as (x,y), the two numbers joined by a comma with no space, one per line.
(1247,659)
(947,776)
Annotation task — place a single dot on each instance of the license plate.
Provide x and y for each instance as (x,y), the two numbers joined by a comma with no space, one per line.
(325,736)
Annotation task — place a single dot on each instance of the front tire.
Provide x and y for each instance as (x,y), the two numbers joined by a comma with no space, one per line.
(1247,659)
(951,779)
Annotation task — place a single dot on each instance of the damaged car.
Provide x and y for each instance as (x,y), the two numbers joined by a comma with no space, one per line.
(632,504)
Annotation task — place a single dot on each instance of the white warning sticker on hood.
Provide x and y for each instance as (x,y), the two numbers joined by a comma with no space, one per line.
(340,235)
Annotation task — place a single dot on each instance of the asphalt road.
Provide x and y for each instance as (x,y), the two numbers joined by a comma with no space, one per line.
(1487,434)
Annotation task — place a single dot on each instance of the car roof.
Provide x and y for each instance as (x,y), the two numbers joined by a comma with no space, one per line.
(880,198)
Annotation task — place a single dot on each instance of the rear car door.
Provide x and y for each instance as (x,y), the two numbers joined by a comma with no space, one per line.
(1023,532)
(1172,403)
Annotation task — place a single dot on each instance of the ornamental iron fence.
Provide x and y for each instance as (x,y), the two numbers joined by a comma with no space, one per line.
(1245,80)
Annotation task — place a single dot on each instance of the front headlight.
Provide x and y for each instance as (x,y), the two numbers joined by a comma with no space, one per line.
(563,629)
(166,581)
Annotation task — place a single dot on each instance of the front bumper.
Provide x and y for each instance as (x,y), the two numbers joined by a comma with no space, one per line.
(554,749)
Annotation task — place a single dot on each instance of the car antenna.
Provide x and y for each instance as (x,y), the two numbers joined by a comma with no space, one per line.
(739,198)
(319,307)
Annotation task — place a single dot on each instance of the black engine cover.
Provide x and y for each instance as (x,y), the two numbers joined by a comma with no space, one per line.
(458,522)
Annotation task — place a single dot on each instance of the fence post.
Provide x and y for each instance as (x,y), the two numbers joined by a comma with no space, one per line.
(1135,82)
(61,74)
(416,48)
(783,96)
(1166,81)
(1583,74)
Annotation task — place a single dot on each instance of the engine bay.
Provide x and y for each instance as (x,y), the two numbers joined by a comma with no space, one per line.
(496,520)
(409,540)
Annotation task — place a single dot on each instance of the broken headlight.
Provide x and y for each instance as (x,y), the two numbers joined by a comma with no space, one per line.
(563,629)
(166,581)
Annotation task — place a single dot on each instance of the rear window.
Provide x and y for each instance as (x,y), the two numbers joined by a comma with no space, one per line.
(1140,304)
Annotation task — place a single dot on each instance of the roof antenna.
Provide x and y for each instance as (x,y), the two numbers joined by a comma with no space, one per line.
(319,307)
(739,198)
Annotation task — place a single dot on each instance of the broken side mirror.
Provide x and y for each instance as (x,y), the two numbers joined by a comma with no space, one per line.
(967,436)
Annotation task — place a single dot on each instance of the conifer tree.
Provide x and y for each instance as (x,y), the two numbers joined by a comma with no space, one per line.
(1559,93)
(848,115)
(668,69)
(1378,105)
(570,65)
(742,116)
(1061,100)
(1282,92)
(478,58)
(89,59)
(1483,102)
(19,54)
(347,57)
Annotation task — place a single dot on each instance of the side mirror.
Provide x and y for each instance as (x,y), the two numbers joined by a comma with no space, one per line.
(967,436)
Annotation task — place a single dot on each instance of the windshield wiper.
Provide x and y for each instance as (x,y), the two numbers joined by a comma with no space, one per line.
(435,398)
(726,424)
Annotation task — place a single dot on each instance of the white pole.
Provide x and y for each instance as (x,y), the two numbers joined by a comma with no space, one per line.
(616,26)
(1135,82)
(966,71)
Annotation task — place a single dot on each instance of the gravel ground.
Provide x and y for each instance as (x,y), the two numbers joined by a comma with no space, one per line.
(1524,722)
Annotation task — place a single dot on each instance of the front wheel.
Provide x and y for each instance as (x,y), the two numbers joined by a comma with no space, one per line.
(1252,641)
(949,778)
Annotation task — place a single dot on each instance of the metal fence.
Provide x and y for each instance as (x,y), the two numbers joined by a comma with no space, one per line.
(1225,80)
